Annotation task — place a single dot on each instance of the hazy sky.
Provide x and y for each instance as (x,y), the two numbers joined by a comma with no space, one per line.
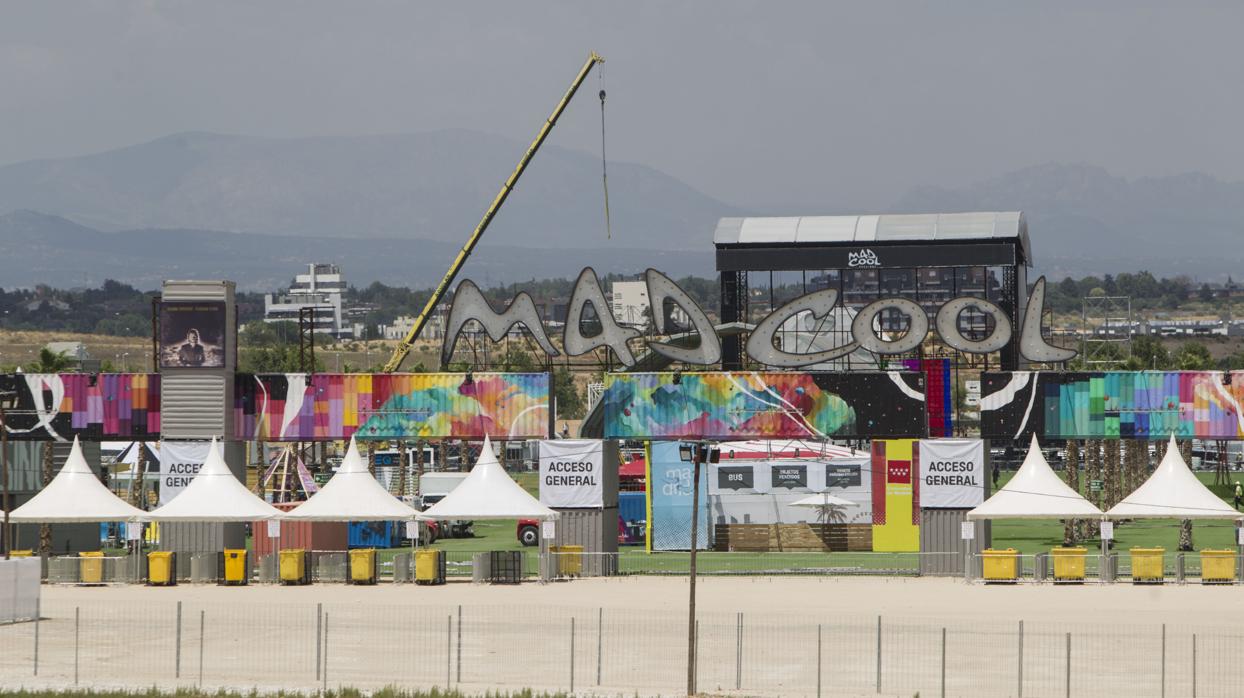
(846,105)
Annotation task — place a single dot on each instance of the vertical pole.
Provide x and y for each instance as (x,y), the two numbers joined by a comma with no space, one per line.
(459,644)
(819,654)
(738,655)
(695,525)
(1193,665)
(1164,660)
(77,625)
(600,620)
(449,643)
(943,663)
(878,654)
(1068,665)
(324,673)
(1020,664)
(4,468)
(319,637)
(38,613)
(177,658)
(697,652)
(571,654)
(202,625)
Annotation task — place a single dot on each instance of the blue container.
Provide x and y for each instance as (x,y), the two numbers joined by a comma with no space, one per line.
(375,534)
(633,511)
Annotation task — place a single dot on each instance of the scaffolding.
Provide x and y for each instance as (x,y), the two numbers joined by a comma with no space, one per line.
(1106,328)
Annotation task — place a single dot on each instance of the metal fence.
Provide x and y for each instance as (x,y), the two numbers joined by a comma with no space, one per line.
(605,651)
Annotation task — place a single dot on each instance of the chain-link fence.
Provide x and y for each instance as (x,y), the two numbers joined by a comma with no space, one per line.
(605,651)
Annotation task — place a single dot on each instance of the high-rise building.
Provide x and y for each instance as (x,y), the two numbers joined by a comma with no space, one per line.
(320,288)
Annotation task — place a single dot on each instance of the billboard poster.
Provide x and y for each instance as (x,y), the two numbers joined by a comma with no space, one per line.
(571,473)
(896,508)
(670,491)
(179,463)
(192,334)
(952,473)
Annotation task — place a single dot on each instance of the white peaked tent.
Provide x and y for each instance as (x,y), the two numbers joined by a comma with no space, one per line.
(215,495)
(75,495)
(1036,492)
(487,492)
(822,500)
(1172,492)
(352,494)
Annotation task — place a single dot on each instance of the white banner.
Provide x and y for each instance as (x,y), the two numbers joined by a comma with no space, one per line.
(785,476)
(179,463)
(571,473)
(952,473)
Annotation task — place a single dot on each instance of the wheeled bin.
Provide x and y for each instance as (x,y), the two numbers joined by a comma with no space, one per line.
(1000,566)
(429,566)
(569,559)
(295,567)
(362,566)
(1148,566)
(161,568)
(1217,566)
(234,567)
(1069,565)
(91,567)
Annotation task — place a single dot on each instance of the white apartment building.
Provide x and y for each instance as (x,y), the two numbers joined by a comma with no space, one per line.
(321,288)
(630,305)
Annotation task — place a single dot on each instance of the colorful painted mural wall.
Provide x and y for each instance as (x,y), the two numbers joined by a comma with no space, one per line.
(741,405)
(896,495)
(1112,405)
(939,398)
(52,406)
(329,406)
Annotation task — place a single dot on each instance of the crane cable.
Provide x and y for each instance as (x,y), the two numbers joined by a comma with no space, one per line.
(604,172)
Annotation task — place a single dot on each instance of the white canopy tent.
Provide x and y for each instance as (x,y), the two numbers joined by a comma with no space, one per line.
(1173,492)
(822,500)
(352,494)
(75,495)
(215,495)
(1035,492)
(488,492)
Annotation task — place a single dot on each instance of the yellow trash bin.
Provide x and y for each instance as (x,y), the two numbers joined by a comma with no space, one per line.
(1147,565)
(91,567)
(569,559)
(1068,564)
(161,568)
(362,566)
(294,567)
(21,553)
(1000,565)
(235,567)
(429,566)
(1217,566)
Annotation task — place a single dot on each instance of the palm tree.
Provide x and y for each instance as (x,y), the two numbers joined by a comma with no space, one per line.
(1185,527)
(50,362)
(1070,529)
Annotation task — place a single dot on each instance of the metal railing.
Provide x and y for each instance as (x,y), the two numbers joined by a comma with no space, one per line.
(309,646)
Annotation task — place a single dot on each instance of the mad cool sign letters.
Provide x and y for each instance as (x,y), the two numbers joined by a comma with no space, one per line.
(469,304)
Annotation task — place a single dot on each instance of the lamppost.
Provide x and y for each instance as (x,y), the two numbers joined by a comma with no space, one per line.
(696,453)
(8,399)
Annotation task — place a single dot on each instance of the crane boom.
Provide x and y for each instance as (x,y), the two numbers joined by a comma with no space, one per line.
(403,348)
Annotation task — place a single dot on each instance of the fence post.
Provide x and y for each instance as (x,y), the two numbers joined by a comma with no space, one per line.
(319,637)
(943,663)
(600,620)
(38,613)
(1193,666)
(1068,665)
(819,654)
(696,673)
(878,654)
(202,626)
(1020,665)
(459,643)
(572,654)
(177,658)
(77,625)
(324,673)
(449,649)
(738,655)
(1164,660)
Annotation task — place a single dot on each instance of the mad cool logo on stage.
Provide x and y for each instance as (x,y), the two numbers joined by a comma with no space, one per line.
(469,304)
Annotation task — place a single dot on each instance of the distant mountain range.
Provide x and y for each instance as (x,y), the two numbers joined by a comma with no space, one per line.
(397,208)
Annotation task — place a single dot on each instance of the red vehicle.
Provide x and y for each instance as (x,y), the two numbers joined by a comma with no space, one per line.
(528,532)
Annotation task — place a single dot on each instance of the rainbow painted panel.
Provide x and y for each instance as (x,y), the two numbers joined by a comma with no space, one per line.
(736,405)
(330,406)
(95,407)
(1113,405)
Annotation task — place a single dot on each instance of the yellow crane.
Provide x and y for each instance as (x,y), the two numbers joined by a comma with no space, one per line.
(399,354)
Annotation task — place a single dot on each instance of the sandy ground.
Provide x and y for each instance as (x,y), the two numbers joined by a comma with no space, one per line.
(628,636)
